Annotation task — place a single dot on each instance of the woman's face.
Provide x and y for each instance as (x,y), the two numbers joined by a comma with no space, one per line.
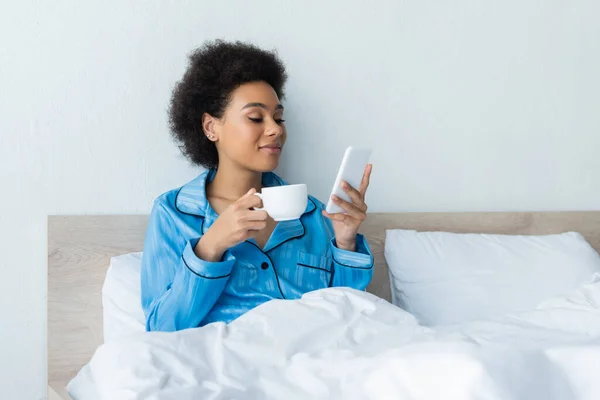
(251,133)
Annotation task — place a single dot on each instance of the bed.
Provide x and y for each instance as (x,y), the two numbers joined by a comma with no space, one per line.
(80,248)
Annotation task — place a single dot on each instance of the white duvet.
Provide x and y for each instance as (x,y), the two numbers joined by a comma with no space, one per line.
(344,344)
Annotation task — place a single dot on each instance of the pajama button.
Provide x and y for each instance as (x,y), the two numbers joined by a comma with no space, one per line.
(264,265)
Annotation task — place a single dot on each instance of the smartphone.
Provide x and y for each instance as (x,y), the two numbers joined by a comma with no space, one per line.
(351,170)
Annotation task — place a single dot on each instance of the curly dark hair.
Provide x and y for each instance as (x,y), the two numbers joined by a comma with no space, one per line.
(215,70)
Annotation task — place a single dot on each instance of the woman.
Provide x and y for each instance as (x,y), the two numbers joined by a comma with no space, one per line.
(208,256)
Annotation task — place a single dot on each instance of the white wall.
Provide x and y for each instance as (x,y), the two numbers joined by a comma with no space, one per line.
(469,106)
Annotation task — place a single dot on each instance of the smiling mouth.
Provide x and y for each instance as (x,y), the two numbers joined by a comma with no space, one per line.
(271,149)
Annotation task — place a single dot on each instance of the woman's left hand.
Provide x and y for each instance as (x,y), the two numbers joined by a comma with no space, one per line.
(345,225)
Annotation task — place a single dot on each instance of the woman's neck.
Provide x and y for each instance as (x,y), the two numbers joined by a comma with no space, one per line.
(232,183)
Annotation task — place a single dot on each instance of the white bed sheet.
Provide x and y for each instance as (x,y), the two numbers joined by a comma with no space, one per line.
(339,343)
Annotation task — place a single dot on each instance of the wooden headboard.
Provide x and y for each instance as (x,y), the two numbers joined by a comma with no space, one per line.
(80,247)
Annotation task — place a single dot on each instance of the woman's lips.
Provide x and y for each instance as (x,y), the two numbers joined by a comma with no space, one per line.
(271,149)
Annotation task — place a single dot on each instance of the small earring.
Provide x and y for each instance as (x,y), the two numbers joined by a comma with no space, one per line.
(210,136)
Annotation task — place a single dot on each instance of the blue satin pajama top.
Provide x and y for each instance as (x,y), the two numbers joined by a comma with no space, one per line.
(180,290)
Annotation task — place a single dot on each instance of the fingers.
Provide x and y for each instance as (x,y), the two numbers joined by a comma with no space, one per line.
(255,215)
(364,183)
(355,196)
(358,196)
(249,200)
(248,194)
(255,225)
(247,229)
(351,209)
(336,217)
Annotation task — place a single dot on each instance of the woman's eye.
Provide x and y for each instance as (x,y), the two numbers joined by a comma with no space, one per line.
(259,120)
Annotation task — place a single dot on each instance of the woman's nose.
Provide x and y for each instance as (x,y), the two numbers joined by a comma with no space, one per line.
(274,129)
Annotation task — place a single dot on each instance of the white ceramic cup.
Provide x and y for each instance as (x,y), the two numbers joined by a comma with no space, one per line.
(284,203)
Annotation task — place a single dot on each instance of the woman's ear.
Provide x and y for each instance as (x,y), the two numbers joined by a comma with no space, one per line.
(209,126)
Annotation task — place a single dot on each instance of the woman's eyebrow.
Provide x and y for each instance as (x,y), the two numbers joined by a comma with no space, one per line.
(262,105)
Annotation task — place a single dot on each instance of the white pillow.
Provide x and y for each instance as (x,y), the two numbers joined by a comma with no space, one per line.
(121,297)
(450,278)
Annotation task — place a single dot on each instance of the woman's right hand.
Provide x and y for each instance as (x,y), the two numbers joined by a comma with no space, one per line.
(236,223)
